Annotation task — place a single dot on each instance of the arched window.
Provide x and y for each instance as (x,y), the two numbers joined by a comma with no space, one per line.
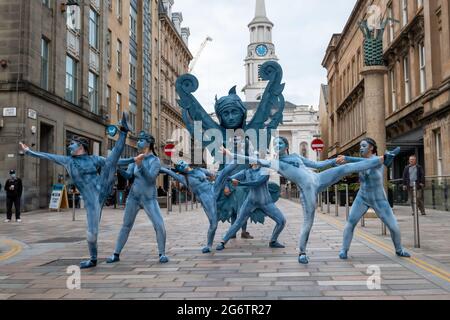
(304,149)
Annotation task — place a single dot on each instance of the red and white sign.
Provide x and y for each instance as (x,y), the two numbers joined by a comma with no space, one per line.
(169,150)
(317,145)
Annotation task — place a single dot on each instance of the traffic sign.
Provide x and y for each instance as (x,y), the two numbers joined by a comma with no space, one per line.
(169,150)
(317,145)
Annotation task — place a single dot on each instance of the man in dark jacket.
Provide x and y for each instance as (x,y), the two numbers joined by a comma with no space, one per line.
(13,188)
(414,173)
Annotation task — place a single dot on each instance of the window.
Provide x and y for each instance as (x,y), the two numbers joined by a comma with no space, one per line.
(73,18)
(393,90)
(439,159)
(119,10)
(422,73)
(391,23)
(47,3)
(419,4)
(71,80)
(118,104)
(119,57)
(108,98)
(133,110)
(133,64)
(133,23)
(93,29)
(259,74)
(404,12)
(93,92)
(44,63)
(407,81)
(109,48)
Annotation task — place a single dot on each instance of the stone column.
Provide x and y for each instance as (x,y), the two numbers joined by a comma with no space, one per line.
(375,105)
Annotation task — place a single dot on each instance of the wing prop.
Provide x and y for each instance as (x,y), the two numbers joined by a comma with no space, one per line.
(269,114)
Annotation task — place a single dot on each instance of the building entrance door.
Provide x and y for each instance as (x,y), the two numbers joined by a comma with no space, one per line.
(46,144)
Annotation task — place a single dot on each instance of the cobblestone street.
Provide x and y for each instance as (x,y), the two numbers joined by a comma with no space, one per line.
(35,255)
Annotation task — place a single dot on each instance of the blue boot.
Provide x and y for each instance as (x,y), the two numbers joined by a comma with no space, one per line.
(390,156)
(88,264)
(343,255)
(220,246)
(124,123)
(163,259)
(206,250)
(276,245)
(303,259)
(113,259)
(404,254)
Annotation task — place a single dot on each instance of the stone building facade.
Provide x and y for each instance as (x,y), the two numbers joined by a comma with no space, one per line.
(413,90)
(52,85)
(171,62)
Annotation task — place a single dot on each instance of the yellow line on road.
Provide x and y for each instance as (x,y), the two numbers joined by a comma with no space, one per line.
(438,272)
(16,248)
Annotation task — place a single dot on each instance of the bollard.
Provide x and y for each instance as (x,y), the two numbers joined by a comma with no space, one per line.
(73,205)
(363,221)
(336,200)
(383,229)
(347,205)
(321,201)
(328,200)
(446,195)
(416,218)
(433,193)
(192,202)
(179,200)
(186,200)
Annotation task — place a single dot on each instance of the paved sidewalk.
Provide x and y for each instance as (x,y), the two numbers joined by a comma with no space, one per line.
(35,255)
(434,232)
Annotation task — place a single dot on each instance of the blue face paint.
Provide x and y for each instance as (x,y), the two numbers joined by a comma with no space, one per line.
(182,166)
(142,144)
(364,148)
(73,147)
(280,146)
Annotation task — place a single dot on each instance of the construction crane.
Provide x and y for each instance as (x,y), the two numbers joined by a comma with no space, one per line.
(194,62)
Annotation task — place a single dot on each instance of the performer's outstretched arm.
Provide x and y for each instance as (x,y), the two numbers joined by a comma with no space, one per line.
(61,160)
(261,180)
(354,159)
(127,174)
(177,177)
(319,164)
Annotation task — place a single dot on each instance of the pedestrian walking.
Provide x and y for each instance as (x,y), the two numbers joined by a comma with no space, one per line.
(414,173)
(13,188)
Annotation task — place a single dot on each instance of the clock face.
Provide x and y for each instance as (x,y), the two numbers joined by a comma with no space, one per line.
(261,50)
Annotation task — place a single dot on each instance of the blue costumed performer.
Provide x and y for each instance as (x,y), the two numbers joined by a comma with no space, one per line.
(143,194)
(94,187)
(259,197)
(196,180)
(371,194)
(295,168)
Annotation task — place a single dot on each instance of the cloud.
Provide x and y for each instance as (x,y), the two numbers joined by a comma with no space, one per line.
(301,34)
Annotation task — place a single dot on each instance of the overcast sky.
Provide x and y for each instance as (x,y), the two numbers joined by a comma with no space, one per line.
(301,34)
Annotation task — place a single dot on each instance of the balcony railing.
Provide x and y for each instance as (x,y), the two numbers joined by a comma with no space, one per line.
(94,60)
(96,4)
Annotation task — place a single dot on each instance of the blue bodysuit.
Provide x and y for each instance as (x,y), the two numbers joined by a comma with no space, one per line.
(371,194)
(206,191)
(143,194)
(258,197)
(295,168)
(93,187)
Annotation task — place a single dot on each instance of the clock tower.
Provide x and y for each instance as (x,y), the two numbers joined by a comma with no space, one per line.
(260,50)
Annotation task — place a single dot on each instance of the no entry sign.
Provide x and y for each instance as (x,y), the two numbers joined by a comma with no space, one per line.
(317,145)
(169,150)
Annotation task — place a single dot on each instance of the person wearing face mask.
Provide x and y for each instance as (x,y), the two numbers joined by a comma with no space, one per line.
(94,187)
(143,194)
(13,188)
(371,194)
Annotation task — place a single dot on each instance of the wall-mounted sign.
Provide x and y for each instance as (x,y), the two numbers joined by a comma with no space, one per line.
(9,112)
(32,114)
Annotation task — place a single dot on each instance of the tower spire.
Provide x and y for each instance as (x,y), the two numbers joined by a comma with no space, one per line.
(260,13)
(260,8)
